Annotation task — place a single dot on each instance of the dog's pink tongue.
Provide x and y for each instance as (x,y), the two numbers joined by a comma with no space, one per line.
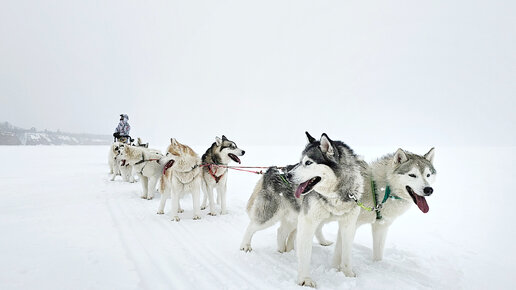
(301,188)
(234,157)
(421,203)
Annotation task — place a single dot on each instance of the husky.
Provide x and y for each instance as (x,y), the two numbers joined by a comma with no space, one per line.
(221,152)
(114,151)
(125,169)
(275,189)
(181,175)
(148,165)
(119,166)
(392,184)
(317,190)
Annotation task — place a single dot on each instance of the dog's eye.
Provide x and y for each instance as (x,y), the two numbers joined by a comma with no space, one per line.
(428,175)
(308,162)
(412,175)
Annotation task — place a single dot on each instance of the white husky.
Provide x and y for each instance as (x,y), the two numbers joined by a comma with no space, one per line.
(114,151)
(395,182)
(147,164)
(181,175)
(117,165)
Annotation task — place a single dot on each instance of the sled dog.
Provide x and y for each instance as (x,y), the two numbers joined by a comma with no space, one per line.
(181,175)
(221,152)
(119,166)
(317,190)
(114,151)
(276,190)
(395,181)
(147,164)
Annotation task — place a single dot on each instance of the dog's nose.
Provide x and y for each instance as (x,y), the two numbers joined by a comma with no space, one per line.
(243,152)
(428,190)
(289,176)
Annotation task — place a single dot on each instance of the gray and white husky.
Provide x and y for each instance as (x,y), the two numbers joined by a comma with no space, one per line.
(221,152)
(321,184)
(397,180)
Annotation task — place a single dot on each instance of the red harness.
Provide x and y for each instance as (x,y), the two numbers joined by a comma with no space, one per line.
(217,178)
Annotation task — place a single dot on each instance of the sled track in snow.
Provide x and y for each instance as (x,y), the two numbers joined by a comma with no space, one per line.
(135,240)
(158,247)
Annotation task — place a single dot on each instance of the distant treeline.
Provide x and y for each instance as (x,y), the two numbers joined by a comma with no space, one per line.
(12,135)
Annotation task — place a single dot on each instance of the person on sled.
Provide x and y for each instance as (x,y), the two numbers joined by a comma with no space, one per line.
(122,130)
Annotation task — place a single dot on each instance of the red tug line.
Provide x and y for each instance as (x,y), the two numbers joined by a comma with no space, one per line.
(240,168)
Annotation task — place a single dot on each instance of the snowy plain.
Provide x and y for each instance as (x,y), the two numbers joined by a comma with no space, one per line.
(64,225)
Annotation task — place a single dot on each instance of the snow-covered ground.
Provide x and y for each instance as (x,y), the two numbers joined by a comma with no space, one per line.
(64,225)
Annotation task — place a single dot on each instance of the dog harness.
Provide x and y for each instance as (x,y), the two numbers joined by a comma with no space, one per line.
(210,170)
(377,206)
(143,160)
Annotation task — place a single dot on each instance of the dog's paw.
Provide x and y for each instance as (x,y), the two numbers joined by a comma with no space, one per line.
(306,282)
(203,207)
(350,274)
(325,243)
(180,210)
(196,217)
(176,219)
(160,212)
(246,248)
(143,197)
(223,212)
(212,213)
(150,197)
(347,271)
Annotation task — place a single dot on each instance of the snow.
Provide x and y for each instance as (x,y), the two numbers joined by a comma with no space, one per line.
(64,225)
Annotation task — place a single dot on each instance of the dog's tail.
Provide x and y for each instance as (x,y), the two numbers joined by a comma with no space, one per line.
(255,194)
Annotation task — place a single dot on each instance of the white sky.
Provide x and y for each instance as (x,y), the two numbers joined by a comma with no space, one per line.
(439,72)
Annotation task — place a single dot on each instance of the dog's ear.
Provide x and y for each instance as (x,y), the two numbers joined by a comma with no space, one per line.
(218,140)
(430,155)
(310,138)
(327,145)
(173,141)
(224,138)
(399,157)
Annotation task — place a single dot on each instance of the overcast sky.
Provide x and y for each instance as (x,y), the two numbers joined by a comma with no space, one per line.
(262,72)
